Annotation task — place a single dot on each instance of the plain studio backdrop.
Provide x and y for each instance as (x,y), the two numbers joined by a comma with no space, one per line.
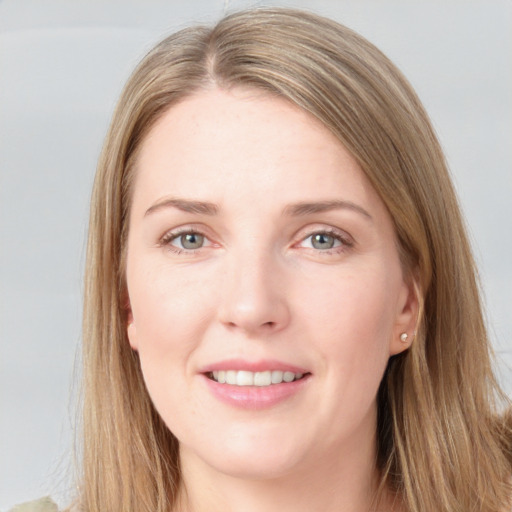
(62,67)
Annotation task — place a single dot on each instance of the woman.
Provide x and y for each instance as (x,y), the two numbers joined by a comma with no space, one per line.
(281,305)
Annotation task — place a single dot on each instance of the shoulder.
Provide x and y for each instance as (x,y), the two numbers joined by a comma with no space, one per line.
(41,505)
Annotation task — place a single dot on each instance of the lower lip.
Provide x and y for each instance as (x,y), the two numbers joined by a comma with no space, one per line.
(255,397)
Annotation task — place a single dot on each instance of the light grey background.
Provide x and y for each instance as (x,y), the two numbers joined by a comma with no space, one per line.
(62,65)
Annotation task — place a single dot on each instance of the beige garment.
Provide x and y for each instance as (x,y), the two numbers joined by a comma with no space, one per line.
(42,505)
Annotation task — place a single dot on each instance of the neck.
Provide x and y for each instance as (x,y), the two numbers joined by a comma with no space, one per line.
(346,481)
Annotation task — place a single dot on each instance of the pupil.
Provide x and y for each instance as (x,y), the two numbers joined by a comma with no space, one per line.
(323,241)
(192,241)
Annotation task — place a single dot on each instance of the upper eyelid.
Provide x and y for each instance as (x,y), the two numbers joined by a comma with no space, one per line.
(306,232)
(167,239)
(300,235)
(180,230)
(344,242)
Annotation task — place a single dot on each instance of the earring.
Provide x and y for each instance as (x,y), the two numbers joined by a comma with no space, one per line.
(403,337)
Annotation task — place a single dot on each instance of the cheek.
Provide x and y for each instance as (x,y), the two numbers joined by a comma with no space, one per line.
(171,311)
(169,306)
(352,320)
(356,304)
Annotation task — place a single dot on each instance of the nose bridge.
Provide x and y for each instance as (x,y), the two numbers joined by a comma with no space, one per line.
(253,296)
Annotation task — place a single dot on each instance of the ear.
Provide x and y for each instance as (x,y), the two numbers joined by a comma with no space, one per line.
(407,317)
(131,329)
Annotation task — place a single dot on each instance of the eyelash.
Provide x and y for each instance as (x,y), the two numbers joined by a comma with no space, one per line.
(170,236)
(345,240)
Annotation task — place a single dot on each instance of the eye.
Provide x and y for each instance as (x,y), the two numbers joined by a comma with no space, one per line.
(189,241)
(323,241)
(327,241)
(184,241)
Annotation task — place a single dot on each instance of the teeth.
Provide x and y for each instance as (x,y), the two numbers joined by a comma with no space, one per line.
(261,379)
(277,377)
(244,379)
(288,376)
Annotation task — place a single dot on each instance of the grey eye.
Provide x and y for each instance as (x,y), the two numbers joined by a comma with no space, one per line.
(323,241)
(191,241)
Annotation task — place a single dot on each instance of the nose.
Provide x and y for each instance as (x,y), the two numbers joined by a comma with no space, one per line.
(254,295)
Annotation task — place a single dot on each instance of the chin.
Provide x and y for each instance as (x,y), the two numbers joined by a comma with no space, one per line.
(263,468)
(251,460)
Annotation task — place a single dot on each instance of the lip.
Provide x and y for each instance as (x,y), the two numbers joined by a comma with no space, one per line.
(252,366)
(254,397)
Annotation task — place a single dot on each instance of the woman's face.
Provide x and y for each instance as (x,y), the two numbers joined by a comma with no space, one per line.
(259,254)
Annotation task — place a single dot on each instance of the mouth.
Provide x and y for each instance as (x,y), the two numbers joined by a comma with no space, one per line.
(259,379)
(255,385)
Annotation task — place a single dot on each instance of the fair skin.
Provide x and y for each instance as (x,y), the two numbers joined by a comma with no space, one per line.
(256,243)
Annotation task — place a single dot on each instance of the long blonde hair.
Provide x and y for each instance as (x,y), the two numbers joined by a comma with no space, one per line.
(441,442)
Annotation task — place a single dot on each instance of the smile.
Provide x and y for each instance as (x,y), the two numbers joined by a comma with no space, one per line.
(248,378)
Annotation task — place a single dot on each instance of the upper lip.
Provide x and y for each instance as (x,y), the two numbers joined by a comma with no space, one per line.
(252,366)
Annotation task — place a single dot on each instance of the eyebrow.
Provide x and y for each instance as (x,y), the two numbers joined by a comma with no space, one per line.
(185,205)
(294,210)
(301,209)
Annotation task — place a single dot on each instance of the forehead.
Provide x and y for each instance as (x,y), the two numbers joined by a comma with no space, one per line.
(243,143)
